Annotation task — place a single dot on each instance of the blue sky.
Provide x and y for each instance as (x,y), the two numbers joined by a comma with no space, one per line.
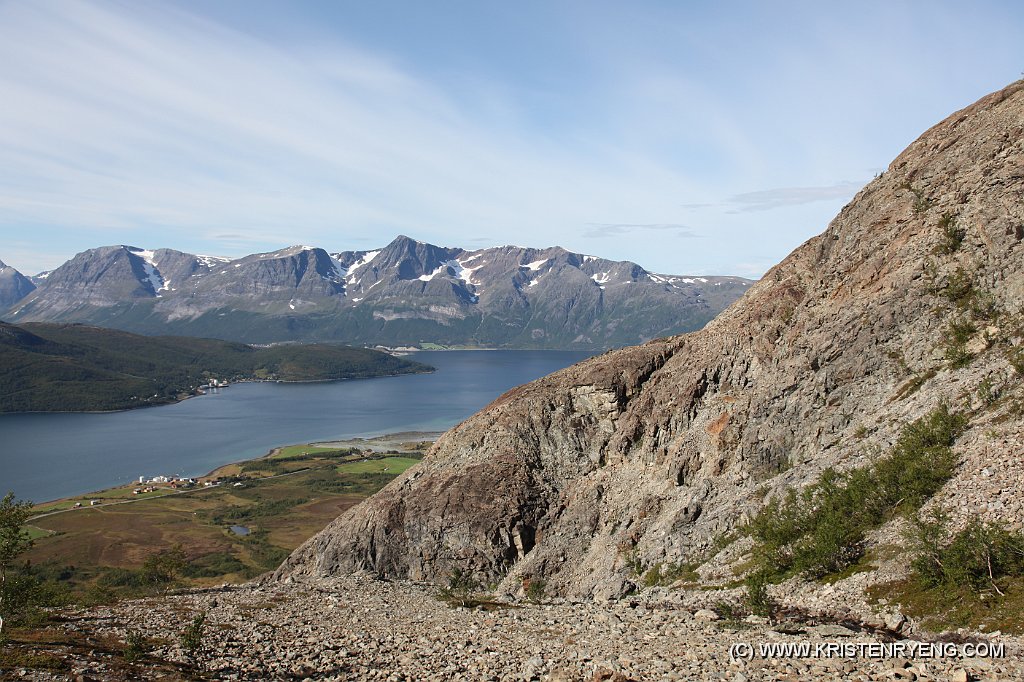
(690,137)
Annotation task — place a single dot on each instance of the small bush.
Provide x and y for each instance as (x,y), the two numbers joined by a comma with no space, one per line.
(727,610)
(957,356)
(120,577)
(757,599)
(957,333)
(634,563)
(663,573)
(1016,359)
(983,306)
(952,235)
(988,392)
(921,202)
(164,567)
(977,557)
(959,289)
(191,638)
(461,589)
(961,330)
(535,588)
(135,646)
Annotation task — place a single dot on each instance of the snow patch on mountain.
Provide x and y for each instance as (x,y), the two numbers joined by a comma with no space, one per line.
(536,265)
(349,272)
(461,272)
(149,264)
(211,261)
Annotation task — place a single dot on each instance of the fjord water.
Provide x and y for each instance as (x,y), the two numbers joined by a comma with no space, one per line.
(46,456)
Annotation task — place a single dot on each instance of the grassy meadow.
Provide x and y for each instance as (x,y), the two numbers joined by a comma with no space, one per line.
(99,552)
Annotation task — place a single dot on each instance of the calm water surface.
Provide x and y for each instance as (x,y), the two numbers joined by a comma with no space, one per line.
(46,456)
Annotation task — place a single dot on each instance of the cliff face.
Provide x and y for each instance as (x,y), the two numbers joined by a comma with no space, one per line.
(651,453)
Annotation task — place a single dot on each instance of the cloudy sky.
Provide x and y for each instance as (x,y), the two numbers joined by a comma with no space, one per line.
(690,137)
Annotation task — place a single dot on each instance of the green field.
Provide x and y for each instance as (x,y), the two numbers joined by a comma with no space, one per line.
(384,465)
(298,450)
(282,499)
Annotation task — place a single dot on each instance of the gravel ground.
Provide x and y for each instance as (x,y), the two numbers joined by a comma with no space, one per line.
(355,628)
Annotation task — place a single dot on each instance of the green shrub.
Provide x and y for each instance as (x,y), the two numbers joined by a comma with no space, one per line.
(952,235)
(959,289)
(977,557)
(983,306)
(957,356)
(535,589)
(164,567)
(214,565)
(191,638)
(121,578)
(821,530)
(960,330)
(663,573)
(635,563)
(757,598)
(1016,359)
(135,646)
(988,392)
(461,589)
(921,202)
(18,587)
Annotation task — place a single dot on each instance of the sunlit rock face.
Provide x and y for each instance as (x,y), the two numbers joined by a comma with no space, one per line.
(653,453)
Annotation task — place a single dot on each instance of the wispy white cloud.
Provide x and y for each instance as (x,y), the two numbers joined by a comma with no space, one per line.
(124,117)
(768,199)
(599,230)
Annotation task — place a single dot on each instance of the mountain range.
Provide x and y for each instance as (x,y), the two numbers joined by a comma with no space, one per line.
(408,293)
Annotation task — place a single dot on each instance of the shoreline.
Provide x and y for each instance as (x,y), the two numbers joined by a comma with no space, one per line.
(392,437)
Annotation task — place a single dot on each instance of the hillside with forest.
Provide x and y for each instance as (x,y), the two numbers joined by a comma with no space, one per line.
(75,368)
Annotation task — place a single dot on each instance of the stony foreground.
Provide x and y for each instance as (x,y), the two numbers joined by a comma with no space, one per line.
(354,629)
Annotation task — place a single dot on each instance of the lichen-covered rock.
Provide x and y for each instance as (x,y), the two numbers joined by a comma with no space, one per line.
(651,453)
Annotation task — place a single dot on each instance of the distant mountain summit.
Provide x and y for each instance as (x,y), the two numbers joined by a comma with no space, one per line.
(406,293)
(14,286)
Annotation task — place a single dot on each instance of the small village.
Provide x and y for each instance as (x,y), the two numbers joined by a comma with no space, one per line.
(162,483)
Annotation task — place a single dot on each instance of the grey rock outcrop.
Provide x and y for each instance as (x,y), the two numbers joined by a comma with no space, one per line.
(406,293)
(652,453)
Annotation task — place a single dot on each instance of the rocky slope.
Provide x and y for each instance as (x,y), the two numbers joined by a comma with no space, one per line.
(406,293)
(653,453)
(352,629)
(14,286)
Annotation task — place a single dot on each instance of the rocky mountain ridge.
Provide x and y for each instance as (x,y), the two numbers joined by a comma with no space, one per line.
(910,299)
(407,293)
(14,286)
